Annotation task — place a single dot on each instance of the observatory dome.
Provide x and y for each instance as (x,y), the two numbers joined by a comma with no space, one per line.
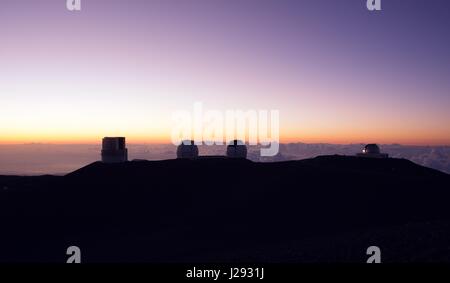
(187,149)
(237,149)
(371,149)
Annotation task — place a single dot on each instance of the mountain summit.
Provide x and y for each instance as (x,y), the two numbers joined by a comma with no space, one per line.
(218,209)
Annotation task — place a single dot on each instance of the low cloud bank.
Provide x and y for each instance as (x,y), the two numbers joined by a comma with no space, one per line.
(38,159)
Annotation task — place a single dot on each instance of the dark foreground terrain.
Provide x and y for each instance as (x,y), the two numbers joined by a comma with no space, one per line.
(326,209)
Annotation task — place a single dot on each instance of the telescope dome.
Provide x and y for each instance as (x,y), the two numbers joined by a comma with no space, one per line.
(187,149)
(237,149)
(371,149)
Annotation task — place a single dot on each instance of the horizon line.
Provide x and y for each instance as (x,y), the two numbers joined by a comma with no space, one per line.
(224,144)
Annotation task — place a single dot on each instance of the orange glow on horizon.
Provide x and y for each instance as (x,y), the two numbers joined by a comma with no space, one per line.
(336,138)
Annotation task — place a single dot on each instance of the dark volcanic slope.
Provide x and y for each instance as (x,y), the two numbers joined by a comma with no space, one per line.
(328,208)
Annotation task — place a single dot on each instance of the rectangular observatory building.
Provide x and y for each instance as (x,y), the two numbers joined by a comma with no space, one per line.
(114,150)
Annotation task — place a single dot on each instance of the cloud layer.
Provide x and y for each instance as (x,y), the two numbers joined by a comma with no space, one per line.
(36,159)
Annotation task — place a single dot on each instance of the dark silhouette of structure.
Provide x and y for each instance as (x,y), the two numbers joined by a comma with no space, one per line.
(187,149)
(237,149)
(373,151)
(114,150)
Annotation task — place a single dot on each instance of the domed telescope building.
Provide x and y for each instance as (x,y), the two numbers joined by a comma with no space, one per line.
(187,149)
(237,149)
(114,150)
(372,150)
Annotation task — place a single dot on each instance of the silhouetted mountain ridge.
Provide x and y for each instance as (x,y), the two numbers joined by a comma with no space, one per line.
(221,209)
(333,162)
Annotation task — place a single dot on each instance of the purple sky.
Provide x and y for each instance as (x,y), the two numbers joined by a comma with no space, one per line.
(336,72)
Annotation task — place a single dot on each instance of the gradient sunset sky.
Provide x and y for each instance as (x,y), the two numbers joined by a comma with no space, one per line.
(336,72)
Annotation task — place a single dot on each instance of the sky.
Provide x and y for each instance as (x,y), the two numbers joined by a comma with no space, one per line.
(336,72)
